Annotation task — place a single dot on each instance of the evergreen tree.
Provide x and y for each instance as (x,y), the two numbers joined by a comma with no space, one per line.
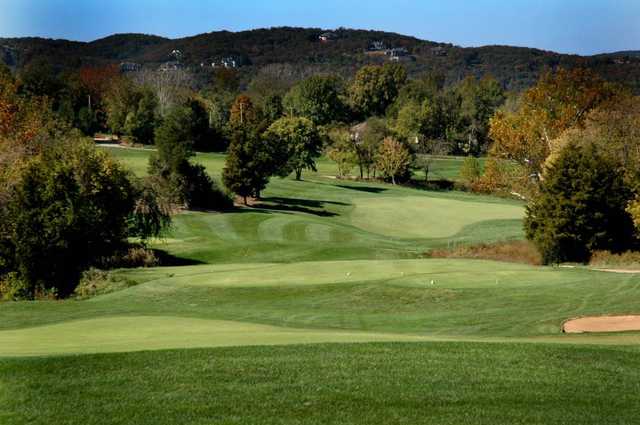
(182,182)
(141,122)
(581,207)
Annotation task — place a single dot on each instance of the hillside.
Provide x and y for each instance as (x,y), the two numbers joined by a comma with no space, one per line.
(304,53)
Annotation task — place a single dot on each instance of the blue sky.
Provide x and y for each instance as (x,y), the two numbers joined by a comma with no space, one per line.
(568,26)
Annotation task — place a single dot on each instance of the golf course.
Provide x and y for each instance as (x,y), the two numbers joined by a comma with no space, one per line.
(320,304)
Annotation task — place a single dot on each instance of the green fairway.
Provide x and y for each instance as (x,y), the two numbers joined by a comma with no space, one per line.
(415,216)
(436,299)
(442,341)
(390,383)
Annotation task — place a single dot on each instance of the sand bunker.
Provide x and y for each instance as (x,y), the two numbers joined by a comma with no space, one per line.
(602,324)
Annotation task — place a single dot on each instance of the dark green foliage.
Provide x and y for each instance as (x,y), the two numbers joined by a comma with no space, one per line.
(272,108)
(69,209)
(150,217)
(201,191)
(40,79)
(180,181)
(249,164)
(480,100)
(581,208)
(201,133)
(141,121)
(317,98)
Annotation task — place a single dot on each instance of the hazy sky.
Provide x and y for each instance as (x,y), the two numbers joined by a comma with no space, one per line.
(568,26)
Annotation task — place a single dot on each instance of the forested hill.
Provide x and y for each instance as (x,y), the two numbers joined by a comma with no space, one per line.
(301,52)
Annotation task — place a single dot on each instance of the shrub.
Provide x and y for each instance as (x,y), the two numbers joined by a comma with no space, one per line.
(513,252)
(98,282)
(129,257)
(470,171)
(627,259)
(581,208)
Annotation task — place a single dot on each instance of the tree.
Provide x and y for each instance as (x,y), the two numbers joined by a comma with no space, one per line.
(297,142)
(367,138)
(180,181)
(249,164)
(69,209)
(171,88)
(120,100)
(342,151)
(141,122)
(375,88)
(393,159)
(558,102)
(581,207)
(470,171)
(243,112)
(480,100)
(317,98)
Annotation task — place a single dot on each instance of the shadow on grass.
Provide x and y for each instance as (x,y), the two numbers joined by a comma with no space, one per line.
(168,260)
(307,206)
(368,189)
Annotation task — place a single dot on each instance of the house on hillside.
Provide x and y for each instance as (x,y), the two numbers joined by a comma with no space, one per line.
(130,67)
(376,46)
(327,37)
(399,54)
(439,51)
(171,66)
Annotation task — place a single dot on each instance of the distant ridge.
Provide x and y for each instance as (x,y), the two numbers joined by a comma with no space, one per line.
(302,51)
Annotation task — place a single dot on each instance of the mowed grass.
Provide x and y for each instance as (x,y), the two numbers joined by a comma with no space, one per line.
(322,218)
(440,341)
(390,383)
(371,300)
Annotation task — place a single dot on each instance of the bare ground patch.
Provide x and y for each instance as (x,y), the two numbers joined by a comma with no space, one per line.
(624,323)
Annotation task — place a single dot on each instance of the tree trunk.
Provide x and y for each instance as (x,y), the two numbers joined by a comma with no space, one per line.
(299,174)
(245,200)
(393,179)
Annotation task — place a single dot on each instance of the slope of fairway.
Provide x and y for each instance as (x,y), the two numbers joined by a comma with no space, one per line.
(424,217)
(433,298)
(136,333)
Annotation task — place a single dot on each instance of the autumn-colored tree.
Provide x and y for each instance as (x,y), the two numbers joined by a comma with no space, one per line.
(243,112)
(393,159)
(96,81)
(559,101)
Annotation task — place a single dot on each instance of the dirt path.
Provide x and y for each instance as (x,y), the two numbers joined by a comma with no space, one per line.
(602,324)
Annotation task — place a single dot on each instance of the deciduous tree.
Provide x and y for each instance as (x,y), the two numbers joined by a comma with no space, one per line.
(393,159)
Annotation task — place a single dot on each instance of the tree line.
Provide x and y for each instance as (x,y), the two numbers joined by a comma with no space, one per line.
(568,145)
